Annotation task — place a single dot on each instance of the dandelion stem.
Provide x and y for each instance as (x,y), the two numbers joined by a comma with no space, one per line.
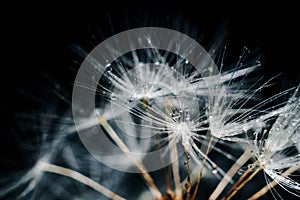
(201,169)
(230,173)
(80,178)
(235,185)
(269,186)
(139,165)
(243,183)
(167,178)
(188,182)
(175,170)
(193,176)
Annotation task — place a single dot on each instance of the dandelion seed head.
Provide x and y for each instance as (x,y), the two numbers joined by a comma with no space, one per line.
(285,131)
(274,147)
(226,105)
(183,132)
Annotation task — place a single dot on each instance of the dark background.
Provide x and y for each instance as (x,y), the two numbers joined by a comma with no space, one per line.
(37,37)
(36,40)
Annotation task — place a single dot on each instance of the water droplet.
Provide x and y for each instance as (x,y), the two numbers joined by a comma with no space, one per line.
(130,100)
(109,69)
(163,129)
(175,117)
(113,97)
(240,172)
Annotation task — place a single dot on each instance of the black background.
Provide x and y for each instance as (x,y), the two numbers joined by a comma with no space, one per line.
(36,40)
(37,37)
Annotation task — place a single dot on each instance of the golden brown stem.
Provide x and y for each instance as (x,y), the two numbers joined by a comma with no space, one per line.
(167,177)
(139,165)
(175,170)
(80,178)
(201,170)
(230,173)
(237,183)
(188,182)
(243,183)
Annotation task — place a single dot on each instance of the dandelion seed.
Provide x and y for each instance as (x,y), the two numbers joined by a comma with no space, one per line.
(273,151)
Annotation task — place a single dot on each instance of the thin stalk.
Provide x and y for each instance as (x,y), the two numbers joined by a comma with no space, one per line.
(269,186)
(230,173)
(169,191)
(46,167)
(243,183)
(167,178)
(237,183)
(193,176)
(188,182)
(139,165)
(201,169)
(175,170)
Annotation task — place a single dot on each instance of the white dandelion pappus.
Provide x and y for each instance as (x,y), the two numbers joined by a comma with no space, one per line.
(228,96)
(180,118)
(167,114)
(274,148)
(124,89)
(229,114)
(131,83)
(226,112)
(165,107)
